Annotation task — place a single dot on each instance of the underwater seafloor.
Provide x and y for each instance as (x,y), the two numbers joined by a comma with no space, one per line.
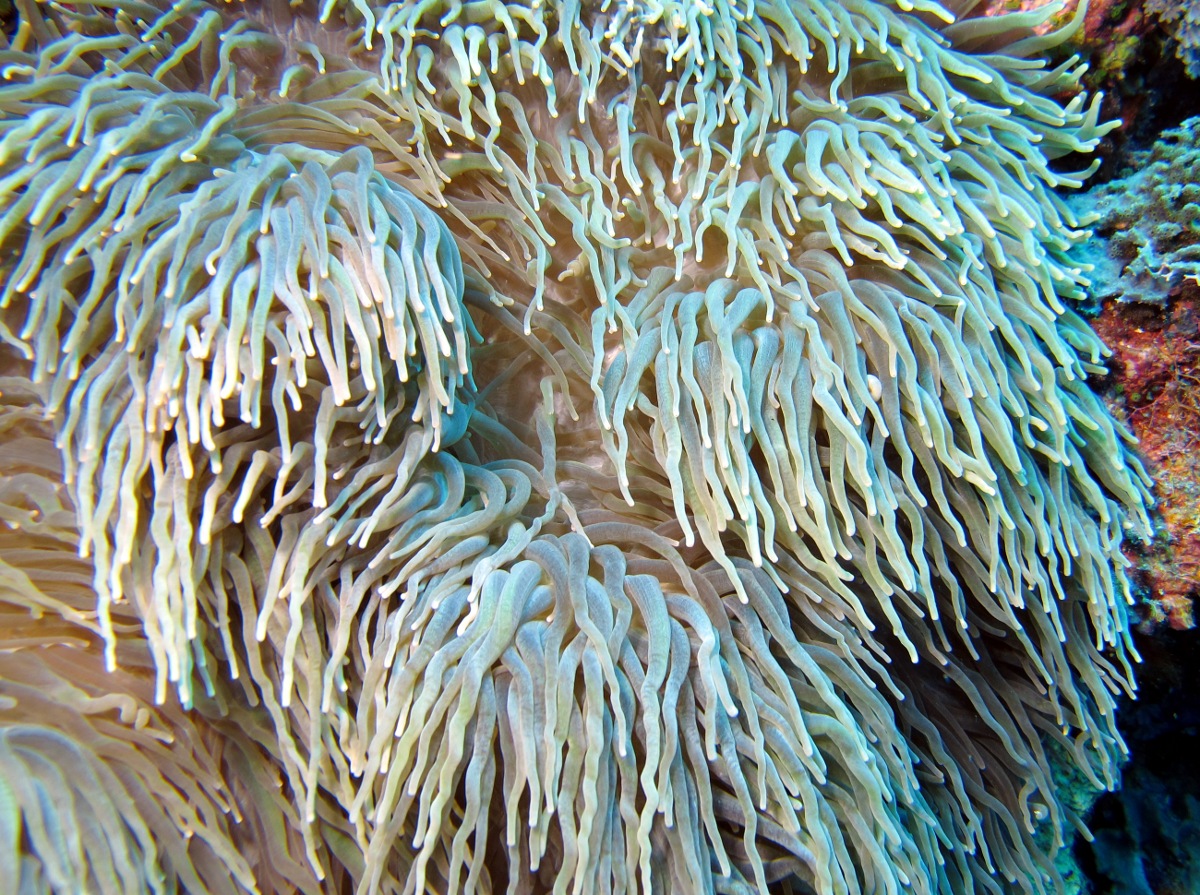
(1145,305)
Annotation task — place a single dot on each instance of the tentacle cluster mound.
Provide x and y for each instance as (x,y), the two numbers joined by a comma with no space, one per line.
(549,447)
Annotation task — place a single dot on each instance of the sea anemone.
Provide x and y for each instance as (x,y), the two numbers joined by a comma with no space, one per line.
(637,447)
(101,790)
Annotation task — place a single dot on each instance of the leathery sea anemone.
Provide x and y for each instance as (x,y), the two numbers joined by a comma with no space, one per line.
(635,446)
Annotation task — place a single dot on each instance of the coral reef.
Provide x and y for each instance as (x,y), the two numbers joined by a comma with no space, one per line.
(1115,33)
(1182,18)
(1146,263)
(1131,62)
(638,447)
(1156,371)
(1147,222)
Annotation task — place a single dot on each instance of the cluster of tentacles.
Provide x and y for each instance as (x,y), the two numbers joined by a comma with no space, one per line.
(548,447)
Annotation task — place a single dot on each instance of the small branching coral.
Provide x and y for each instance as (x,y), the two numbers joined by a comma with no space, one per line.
(1182,20)
(637,447)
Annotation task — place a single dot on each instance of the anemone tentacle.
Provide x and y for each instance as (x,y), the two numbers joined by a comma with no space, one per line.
(596,447)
